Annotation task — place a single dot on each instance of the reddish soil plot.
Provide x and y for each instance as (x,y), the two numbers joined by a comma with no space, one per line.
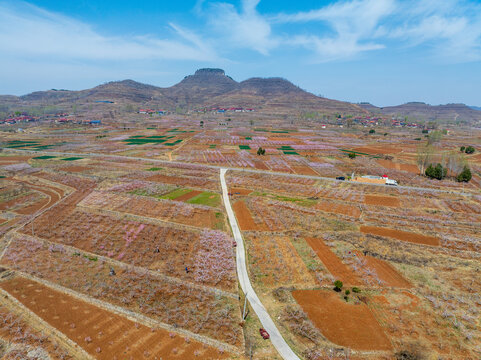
(401,235)
(240,191)
(188,196)
(75,169)
(53,197)
(103,334)
(17,201)
(380,149)
(388,164)
(343,323)
(276,261)
(260,165)
(6,160)
(183,181)
(244,217)
(385,271)
(330,260)
(381,200)
(338,208)
(304,170)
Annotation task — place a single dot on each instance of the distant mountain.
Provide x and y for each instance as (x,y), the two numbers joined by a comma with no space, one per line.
(478,108)
(206,88)
(423,111)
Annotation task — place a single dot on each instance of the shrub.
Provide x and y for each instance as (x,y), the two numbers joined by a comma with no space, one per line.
(465,175)
(356,290)
(261,151)
(469,150)
(352,155)
(372,131)
(347,292)
(462,148)
(436,172)
(338,285)
(425,131)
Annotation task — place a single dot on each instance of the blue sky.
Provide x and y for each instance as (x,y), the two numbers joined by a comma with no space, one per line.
(385,52)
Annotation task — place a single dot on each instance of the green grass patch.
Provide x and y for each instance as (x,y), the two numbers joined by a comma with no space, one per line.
(286,147)
(290,153)
(262,130)
(279,131)
(175,194)
(244,147)
(212,146)
(154,169)
(44,157)
(73,158)
(248,137)
(206,198)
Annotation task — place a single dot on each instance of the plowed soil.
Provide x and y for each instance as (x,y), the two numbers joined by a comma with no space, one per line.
(244,217)
(401,235)
(240,191)
(338,208)
(188,196)
(75,169)
(103,334)
(387,273)
(388,164)
(343,323)
(304,170)
(381,200)
(330,260)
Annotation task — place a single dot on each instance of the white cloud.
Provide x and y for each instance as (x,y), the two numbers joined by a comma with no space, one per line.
(244,28)
(28,31)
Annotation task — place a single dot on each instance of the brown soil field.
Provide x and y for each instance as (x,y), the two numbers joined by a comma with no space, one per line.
(335,266)
(188,196)
(401,235)
(379,150)
(260,165)
(75,169)
(183,181)
(240,191)
(53,196)
(381,200)
(103,334)
(343,323)
(338,208)
(16,201)
(276,261)
(7,160)
(304,170)
(385,271)
(244,217)
(388,164)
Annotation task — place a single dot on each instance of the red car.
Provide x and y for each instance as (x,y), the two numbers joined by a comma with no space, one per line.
(265,335)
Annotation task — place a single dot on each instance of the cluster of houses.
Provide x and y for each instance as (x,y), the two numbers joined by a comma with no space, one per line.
(224,110)
(65,120)
(376,120)
(18,119)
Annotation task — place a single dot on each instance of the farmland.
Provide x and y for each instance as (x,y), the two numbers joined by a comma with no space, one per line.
(116,242)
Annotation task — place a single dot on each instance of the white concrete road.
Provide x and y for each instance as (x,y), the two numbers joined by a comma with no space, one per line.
(277,340)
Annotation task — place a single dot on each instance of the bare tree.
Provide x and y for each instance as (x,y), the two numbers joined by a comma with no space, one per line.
(423,157)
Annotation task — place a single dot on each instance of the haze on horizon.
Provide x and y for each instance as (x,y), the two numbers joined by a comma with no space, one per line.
(386,52)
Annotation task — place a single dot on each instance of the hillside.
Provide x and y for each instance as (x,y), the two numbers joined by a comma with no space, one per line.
(205,88)
(423,111)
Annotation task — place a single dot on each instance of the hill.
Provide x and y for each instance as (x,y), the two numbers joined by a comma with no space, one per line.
(206,88)
(423,111)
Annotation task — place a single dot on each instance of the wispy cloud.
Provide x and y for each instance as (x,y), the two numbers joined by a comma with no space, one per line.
(353,23)
(242,28)
(28,31)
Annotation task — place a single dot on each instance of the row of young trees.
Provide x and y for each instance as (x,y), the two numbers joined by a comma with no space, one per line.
(451,164)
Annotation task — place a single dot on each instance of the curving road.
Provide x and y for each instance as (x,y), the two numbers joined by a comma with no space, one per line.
(277,340)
